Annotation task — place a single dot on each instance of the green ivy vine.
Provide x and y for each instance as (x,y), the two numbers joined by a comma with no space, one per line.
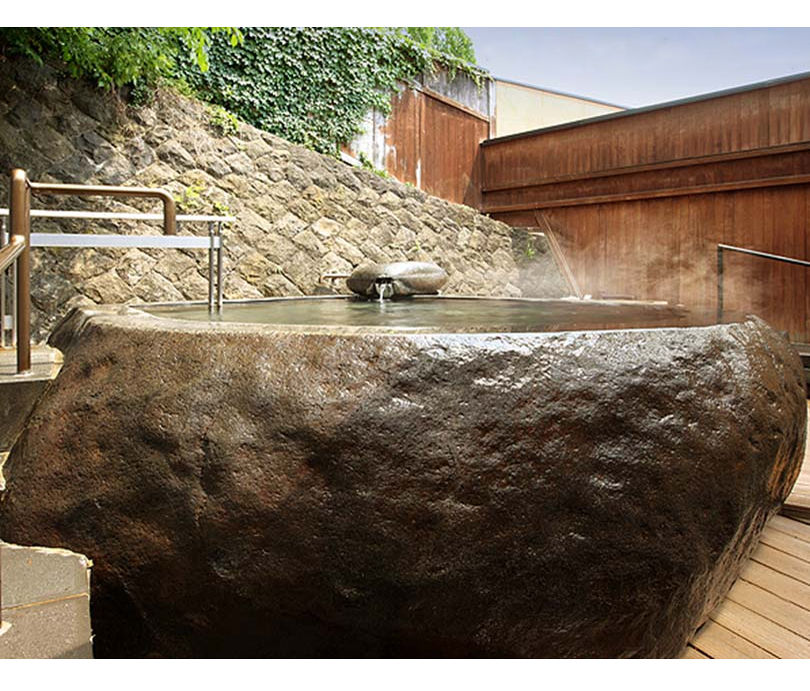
(314,86)
(113,57)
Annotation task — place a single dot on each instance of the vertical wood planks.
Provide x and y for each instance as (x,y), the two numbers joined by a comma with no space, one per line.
(612,186)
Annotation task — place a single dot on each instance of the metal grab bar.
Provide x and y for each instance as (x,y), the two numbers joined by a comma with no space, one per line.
(753,253)
(214,243)
(169,208)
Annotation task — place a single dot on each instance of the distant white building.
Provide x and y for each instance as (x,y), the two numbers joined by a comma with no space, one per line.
(522,108)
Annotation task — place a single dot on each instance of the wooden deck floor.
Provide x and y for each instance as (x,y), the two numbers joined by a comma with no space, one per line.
(767,612)
(798,503)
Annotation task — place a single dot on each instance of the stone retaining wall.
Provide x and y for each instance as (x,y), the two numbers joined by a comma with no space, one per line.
(299,213)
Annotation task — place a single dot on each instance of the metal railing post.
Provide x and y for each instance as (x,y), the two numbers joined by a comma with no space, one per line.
(211,266)
(220,256)
(14,305)
(20,227)
(3,281)
(719,283)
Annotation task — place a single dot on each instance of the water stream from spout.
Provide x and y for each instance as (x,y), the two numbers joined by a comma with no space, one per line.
(380,286)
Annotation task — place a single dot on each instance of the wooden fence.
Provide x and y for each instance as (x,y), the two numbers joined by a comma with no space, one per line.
(430,141)
(641,199)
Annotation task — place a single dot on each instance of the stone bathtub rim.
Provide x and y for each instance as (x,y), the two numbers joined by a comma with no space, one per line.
(137,315)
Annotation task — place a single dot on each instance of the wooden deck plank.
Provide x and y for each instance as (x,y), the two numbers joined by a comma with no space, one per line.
(782,562)
(778,610)
(767,611)
(788,526)
(690,653)
(761,631)
(716,641)
(788,544)
(798,503)
(777,583)
(798,511)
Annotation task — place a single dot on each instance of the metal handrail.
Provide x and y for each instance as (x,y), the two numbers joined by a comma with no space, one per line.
(123,216)
(18,249)
(10,252)
(754,253)
(169,208)
(214,243)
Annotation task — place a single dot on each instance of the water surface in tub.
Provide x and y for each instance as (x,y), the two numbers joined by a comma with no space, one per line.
(443,314)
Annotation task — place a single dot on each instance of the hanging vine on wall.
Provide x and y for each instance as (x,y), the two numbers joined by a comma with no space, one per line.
(310,85)
(314,86)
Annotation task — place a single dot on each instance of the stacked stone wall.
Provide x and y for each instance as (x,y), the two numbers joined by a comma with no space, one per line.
(299,214)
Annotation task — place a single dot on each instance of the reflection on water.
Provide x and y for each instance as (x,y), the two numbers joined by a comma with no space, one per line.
(445,314)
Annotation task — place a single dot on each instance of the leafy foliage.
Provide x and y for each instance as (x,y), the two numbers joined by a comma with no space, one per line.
(116,56)
(449,40)
(314,86)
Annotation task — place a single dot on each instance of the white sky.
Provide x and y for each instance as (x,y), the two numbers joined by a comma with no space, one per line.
(640,66)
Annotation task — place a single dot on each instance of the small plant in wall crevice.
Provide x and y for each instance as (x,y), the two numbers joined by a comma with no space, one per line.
(366,164)
(224,122)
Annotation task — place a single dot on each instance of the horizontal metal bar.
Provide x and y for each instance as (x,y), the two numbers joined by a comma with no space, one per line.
(333,276)
(764,255)
(112,216)
(143,241)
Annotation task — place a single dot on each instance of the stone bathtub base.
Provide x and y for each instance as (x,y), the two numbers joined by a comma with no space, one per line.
(249,490)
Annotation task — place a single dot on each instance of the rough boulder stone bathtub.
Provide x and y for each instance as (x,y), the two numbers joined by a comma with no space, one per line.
(289,489)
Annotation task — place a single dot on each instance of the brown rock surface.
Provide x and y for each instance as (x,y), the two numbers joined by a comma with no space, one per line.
(249,491)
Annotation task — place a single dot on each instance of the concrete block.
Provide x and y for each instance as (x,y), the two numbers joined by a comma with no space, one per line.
(19,394)
(59,629)
(46,603)
(38,574)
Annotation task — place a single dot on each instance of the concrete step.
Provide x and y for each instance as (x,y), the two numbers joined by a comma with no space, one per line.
(45,603)
(19,393)
(45,362)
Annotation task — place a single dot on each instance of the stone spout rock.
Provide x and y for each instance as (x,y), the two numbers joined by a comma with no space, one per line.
(251,491)
(402,278)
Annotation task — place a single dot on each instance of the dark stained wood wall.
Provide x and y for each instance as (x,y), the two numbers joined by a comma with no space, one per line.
(450,151)
(640,200)
(433,143)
